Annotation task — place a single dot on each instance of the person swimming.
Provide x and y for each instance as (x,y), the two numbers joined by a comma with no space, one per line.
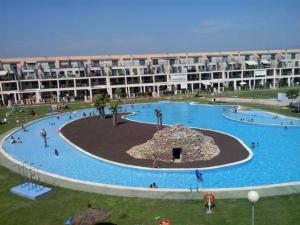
(153,185)
(56,153)
(12,140)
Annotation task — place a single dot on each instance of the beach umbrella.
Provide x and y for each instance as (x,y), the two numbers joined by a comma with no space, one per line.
(90,216)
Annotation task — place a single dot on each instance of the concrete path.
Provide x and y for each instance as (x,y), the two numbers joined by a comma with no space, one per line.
(271,102)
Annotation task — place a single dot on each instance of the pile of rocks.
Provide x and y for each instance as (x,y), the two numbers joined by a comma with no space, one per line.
(193,144)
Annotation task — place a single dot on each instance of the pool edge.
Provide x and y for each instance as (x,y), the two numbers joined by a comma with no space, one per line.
(221,193)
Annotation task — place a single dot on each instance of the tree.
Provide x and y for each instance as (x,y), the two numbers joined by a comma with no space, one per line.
(292,94)
(283,83)
(100,102)
(119,93)
(113,107)
(158,115)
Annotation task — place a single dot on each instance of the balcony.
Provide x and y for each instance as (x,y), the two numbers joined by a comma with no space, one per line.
(160,79)
(12,86)
(286,72)
(234,75)
(66,83)
(5,75)
(95,73)
(118,72)
(193,77)
(98,82)
(48,85)
(29,85)
(248,74)
(251,64)
(265,64)
(117,81)
(147,80)
(133,80)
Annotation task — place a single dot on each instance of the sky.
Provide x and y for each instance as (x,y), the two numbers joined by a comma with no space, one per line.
(105,27)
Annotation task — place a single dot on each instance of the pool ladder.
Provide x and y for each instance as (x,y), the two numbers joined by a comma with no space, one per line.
(28,175)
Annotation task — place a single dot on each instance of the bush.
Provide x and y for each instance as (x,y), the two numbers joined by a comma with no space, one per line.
(198,94)
(30,112)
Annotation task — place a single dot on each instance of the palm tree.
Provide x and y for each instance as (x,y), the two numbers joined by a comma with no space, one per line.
(113,106)
(100,102)
(158,115)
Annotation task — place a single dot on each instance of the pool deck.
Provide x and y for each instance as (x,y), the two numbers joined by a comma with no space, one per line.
(100,138)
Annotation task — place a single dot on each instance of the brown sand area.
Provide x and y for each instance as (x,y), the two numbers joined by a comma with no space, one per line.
(99,137)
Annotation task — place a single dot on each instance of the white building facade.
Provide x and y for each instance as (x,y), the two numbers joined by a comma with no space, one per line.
(53,79)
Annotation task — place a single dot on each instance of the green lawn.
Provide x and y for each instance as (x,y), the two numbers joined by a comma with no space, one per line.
(61,203)
(22,114)
(256,94)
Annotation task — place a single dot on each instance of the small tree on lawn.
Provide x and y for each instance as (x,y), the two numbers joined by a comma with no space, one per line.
(119,93)
(100,102)
(292,94)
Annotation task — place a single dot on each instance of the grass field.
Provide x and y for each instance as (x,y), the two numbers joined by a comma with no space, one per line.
(22,114)
(61,203)
(256,94)
(53,208)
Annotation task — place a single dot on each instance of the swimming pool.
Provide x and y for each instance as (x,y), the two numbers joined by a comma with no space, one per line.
(275,160)
(255,116)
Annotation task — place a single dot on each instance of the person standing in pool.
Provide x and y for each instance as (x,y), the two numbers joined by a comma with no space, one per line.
(199,175)
(155,164)
(12,140)
(23,126)
(44,136)
(56,153)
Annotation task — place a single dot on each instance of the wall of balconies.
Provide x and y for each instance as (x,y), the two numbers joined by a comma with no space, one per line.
(71,69)
(150,73)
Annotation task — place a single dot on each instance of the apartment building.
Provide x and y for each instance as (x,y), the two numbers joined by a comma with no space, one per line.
(53,79)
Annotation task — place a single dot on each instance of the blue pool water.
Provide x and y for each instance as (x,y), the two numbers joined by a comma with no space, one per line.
(276,159)
(259,117)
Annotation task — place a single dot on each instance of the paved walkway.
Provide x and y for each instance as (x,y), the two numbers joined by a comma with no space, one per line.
(271,102)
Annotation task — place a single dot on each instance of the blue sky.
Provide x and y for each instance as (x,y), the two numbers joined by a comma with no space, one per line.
(92,27)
